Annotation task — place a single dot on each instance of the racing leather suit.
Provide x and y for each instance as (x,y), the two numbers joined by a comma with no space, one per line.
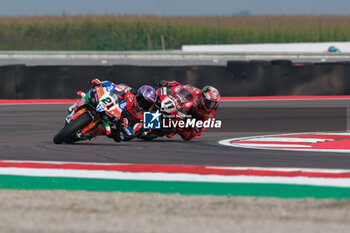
(188,98)
(131,119)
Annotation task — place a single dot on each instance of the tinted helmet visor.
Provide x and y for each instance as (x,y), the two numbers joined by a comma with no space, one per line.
(143,104)
(210,104)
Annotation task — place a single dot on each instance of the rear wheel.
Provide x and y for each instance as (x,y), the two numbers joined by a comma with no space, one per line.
(67,133)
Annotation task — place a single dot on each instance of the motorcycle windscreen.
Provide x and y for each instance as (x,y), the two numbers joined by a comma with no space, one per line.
(185,94)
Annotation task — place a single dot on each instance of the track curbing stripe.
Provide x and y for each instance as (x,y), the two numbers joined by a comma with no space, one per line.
(183,179)
(337,142)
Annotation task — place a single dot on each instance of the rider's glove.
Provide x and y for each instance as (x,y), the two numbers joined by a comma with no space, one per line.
(162,83)
(95,82)
(125,122)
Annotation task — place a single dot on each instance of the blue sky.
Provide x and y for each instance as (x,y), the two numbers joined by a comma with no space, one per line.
(173,7)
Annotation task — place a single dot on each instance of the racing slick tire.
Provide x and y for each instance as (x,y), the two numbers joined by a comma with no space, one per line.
(69,130)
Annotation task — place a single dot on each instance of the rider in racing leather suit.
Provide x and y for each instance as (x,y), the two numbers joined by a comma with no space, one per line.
(137,103)
(131,118)
(189,100)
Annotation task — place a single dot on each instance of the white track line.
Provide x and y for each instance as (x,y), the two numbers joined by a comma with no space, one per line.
(277,139)
(258,145)
(283,169)
(332,182)
(227,142)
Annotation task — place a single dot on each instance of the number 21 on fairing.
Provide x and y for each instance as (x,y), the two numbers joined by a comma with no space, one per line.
(108,103)
(105,102)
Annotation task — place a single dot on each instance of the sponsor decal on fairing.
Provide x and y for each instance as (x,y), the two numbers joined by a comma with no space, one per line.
(122,105)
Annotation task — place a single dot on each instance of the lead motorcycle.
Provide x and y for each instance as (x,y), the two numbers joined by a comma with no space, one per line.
(93,115)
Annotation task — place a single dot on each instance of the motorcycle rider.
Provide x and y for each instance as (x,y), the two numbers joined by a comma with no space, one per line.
(204,109)
(137,101)
(143,100)
(189,100)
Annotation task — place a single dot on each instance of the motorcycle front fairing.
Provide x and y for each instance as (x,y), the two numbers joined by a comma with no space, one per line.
(84,100)
(105,107)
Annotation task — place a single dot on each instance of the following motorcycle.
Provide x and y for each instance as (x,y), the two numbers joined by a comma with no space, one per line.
(171,110)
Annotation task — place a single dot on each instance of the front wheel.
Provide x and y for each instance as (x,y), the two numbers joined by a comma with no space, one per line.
(69,130)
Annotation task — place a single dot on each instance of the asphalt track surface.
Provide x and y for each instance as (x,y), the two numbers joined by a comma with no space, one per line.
(27,131)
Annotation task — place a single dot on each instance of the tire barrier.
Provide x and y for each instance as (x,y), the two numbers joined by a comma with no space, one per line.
(281,62)
(238,78)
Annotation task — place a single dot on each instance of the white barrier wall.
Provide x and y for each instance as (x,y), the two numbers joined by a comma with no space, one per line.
(277,48)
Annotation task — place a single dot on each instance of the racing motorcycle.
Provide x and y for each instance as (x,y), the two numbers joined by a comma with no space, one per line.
(170,109)
(96,113)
